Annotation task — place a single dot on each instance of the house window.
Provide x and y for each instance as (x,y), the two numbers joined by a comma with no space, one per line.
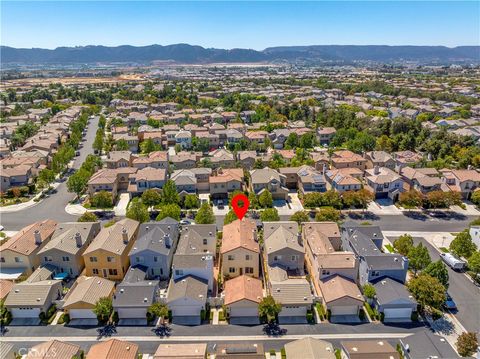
(2,259)
(231,270)
(110,259)
(112,272)
(155,259)
(294,258)
(178,272)
(231,257)
(375,273)
(93,259)
(325,272)
(205,241)
(18,260)
(248,270)
(48,259)
(248,257)
(95,271)
(66,259)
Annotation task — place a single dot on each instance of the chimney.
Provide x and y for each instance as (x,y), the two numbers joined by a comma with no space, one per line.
(376,170)
(125,235)
(166,239)
(78,239)
(38,237)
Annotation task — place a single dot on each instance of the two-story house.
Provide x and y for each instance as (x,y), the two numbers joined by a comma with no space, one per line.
(366,242)
(155,246)
(65,250)
(225,181)
(107,255)
(20,253)
(269,179)
(240,250)
(348,159)
(196,252)
(384,183)
(463,181)
(146,178)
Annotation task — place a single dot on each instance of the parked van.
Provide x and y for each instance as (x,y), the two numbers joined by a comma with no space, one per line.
(453,262)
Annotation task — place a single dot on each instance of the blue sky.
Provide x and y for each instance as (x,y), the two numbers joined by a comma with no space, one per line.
(229,24)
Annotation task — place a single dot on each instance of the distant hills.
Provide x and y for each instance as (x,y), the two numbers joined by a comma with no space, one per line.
(184,53)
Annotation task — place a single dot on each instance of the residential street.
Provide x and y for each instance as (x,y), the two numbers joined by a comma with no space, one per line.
(464,293)
(148,341)
(54,206)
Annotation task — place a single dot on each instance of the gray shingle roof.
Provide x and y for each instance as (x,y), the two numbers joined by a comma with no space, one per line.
(187,287)
(156,235)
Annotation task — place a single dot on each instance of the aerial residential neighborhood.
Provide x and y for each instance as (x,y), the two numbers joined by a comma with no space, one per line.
(182,201)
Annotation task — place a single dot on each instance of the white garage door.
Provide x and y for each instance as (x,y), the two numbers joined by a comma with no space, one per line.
(186,310)
(82,314)
(345,310)
(394,313)
(243,312)
(25,313)
(293,311)
(132,313)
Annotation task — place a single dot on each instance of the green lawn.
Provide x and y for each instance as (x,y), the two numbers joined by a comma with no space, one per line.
(444,250)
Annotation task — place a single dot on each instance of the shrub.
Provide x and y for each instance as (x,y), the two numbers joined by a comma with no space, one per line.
(203,314)
(310,317)
(64,319)
(414,316)
(467,344)
(283,353)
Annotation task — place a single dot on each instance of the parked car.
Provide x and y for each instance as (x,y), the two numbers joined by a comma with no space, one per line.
(449,303)
(220,204)
(437,214)
(453,262)
(185,222)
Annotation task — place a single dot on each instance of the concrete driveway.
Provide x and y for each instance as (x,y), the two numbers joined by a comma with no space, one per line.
(121,208)
(384,206)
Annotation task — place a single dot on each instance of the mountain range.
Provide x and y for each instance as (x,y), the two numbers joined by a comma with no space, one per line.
(190,54)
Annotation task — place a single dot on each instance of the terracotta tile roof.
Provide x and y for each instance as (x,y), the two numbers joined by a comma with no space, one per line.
(181,351)
(243,287)
(5,287)
(240,234)
(227,175)
(53,349)
(113,349)
(23,242)
(336,287)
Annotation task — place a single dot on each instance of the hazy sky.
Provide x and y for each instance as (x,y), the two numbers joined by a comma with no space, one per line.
(229,24)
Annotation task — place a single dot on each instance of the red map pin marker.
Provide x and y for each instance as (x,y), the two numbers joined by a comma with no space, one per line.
(240,211)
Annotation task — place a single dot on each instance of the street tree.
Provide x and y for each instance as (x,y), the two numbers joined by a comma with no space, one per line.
(169,193)
(169,210)
(269,309)
(474,264)
(462,245)
(403,244)
(151,197)
(467,344)
(300,217)
(205,215)
(427,291)
(103,309)
(88,217)
(418,258)
(191,201)
(327,214)
(138,211)
(438,270)
(265,199)
(269,215)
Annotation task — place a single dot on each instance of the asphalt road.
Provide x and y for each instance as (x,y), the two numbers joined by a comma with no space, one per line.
(463,292)
(53,206)
(85,337)
(419,223)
